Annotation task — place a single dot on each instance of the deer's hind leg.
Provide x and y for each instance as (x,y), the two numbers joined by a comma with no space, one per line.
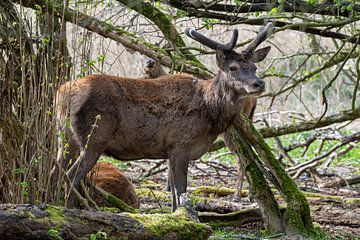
(178,169)
(83,164)
(93,140)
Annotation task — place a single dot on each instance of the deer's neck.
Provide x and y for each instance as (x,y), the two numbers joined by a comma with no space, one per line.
(223,103)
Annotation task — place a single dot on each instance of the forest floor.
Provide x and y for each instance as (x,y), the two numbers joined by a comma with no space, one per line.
(337,211)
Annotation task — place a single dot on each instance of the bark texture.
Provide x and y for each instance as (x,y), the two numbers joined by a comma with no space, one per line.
(296,217)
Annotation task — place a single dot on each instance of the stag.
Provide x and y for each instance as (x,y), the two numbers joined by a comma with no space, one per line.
(152,70)
(176,117)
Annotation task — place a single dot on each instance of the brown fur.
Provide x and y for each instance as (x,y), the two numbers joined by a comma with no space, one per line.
(176,117)
(113,181)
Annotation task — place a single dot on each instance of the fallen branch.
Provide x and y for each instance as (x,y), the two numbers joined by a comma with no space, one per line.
(116,202)
(215,205)
(300,168)
(341,182)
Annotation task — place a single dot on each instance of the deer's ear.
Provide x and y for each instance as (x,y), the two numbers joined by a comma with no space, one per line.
(220,57)
(260,54)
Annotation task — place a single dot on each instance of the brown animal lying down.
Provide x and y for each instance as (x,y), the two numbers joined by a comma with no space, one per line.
(113,181)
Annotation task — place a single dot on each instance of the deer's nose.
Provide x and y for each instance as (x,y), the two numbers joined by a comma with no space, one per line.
(259,84)
(150,62)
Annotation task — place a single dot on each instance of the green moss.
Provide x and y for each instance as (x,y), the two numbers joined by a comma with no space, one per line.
(150,184)
(352,201)
(163,225)
(110,209)
(55,217)
(322,196)
(120,204)
(164,209)
(221,191)
(154,195)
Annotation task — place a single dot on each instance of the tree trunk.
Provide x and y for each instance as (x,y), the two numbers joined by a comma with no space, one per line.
(260,189)
(296,217)
(49,222)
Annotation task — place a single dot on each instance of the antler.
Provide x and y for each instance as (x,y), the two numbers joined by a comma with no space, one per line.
(192,33)
(262,36)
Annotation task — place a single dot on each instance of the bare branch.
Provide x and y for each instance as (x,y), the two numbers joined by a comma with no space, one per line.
(117,34)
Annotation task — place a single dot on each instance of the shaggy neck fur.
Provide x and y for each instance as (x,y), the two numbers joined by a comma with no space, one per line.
(223,103)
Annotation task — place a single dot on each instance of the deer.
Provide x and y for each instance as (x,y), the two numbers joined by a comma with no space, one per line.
(112,180)
(176,117)
(153,69)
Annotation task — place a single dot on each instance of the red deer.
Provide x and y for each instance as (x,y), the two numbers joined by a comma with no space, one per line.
(176,117)
(113,181)
(152,69)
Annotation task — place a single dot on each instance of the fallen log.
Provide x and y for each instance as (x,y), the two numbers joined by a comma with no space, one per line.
(231,219)
(216,205)
(49,222)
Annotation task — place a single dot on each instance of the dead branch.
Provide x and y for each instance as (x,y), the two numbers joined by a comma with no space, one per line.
(295,171)
(341,182)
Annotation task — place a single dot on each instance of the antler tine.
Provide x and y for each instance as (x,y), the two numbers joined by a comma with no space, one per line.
(230,45)
(261,36)
(192,33)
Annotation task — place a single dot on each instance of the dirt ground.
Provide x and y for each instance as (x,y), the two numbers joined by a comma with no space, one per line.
(339,217)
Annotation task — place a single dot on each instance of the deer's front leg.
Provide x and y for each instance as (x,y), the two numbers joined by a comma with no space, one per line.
(178,168)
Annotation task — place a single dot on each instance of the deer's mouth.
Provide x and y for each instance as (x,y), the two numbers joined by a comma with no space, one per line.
(244,89)
(256,93)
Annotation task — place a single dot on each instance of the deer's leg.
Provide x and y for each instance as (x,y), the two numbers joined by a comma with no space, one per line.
(239,183)
(240,173)
(178,168)
(84,163)
(168,180)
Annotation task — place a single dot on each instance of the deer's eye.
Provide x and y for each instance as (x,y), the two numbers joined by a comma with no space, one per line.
(232,68)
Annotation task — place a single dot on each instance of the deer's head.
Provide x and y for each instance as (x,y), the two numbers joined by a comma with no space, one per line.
(239,67)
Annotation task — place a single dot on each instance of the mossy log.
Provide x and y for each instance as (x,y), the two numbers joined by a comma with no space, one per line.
(49,222)
(237,218)
(202,204)
(218,191)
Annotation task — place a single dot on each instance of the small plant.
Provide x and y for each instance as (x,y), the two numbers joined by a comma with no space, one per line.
(98,235)
(55,234)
